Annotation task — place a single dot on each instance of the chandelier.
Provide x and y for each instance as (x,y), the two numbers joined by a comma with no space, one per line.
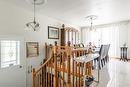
(34,25)
(91,18)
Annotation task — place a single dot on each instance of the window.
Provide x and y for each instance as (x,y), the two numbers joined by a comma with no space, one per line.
(9,53)
(104,35)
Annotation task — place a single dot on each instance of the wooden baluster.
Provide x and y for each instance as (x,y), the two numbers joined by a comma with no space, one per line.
(79,74)
(63,62)
(46,77)
(76,69)
(61,69)
(34,77)
(37,79)
(73,70)
(37,76)
(79,52)
(86,71)
(90,68)
(87,67)
(55,67)
(83,53)
(43,70)
(42,77)
(68,66)
(53,73)
(82,65)
(49,74)
(52,82)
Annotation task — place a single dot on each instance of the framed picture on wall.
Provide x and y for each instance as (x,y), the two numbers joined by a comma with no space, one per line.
(53,32)
(32,49)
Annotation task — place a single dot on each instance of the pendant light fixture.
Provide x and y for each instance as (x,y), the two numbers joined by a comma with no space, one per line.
(34,25)
(91,18)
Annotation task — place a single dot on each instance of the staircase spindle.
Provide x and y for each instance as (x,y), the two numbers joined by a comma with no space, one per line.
(55,67)
(63,66)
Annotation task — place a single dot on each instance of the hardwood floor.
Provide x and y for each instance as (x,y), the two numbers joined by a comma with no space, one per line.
(115,74)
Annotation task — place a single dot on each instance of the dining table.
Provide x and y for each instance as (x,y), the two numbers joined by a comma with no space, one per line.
(87,60)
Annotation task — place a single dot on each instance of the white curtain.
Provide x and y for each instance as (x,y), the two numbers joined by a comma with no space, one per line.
(104,35)
(91,36)
(110,35)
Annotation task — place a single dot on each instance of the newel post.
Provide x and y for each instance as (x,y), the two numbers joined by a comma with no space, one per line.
(55,66)
(34,77)
(68,65)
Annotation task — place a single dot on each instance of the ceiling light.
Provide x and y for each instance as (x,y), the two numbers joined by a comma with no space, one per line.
(34,25)
(91,18)
(37,2)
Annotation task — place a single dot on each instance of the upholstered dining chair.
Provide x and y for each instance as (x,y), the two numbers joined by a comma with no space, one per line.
(107,56)
(102,58)
(105,59)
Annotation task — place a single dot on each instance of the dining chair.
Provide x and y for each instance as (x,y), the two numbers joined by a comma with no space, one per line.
(107,56)
(103,56)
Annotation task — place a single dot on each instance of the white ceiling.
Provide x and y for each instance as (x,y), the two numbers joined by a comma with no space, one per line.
(75,11)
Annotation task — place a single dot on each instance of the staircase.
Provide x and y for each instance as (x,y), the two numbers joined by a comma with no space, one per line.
(61,70)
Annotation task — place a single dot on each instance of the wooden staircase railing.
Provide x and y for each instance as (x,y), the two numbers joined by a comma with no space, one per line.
(61,70)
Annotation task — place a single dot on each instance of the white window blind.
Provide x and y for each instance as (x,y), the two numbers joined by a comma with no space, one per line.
(9,53)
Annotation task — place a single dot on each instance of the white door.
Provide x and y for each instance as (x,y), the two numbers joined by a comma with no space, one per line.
(29,73)
(13,62)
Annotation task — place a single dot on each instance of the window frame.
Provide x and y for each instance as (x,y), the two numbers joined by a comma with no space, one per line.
(15,38)
(3,47)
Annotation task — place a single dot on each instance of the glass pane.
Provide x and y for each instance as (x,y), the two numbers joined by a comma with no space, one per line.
(9,53)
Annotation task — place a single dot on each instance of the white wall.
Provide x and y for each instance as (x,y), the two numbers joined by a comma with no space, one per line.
(12,23)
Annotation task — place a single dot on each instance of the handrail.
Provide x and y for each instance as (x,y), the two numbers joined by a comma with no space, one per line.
(44,63)
(52,72)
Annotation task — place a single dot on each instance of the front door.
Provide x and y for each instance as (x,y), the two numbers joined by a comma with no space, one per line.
(12,62)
